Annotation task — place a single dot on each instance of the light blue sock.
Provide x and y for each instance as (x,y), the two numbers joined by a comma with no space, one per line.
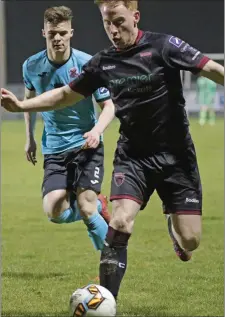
(96,225)
(67,216)
(99,206)
(77,212)
(97,230)
(72,214)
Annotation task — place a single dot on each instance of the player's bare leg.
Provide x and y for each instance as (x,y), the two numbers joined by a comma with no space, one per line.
(60,209)
(96,224)
(55,203)
(185,232)
(114,255)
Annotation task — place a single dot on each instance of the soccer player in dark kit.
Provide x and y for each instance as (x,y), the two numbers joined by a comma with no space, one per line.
(155,150)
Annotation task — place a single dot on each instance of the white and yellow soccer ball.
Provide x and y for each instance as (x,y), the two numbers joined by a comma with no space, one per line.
(92,300)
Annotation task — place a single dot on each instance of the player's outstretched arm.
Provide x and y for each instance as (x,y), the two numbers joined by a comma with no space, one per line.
(107,115)
(213,71)
(53,99)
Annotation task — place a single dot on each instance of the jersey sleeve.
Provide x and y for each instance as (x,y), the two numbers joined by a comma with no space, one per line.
(179,54)
(90,79)
(26,78)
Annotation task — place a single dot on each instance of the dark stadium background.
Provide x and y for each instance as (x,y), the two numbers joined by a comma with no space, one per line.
(201,23)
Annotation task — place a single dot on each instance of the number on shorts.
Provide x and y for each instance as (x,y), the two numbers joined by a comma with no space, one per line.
(96,173)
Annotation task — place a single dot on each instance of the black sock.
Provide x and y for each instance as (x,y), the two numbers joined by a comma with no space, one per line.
(114,260)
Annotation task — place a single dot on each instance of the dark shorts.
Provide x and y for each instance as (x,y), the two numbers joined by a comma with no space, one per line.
(175,178)
(72,169)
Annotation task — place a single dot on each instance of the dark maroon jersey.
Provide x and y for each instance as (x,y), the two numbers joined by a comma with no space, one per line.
(145,85)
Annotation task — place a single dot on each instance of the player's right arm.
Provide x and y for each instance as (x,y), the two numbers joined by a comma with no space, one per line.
(50,100)
(83,86)
(30,120)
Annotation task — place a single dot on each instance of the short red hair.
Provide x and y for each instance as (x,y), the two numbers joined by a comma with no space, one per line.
(129,4)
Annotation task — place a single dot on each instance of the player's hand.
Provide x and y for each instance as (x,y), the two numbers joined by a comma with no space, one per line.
(30,150)
(92,139)
(10,102)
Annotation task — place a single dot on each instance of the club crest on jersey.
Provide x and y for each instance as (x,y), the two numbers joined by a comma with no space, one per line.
(73,72)
(175,41)
(119,179)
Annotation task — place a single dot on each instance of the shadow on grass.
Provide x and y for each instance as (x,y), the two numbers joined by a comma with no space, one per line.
(30,275)
(32,314)
(160,311)
(143,311)
(66,314)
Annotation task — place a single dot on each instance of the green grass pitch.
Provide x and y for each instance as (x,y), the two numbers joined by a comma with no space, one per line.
(43,263)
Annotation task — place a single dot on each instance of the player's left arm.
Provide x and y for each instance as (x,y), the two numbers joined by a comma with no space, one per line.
(178,54)
(105,118)
(213,71)
(102,97)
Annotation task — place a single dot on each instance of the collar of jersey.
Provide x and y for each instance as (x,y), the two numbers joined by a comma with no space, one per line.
(56,65)
(139,36)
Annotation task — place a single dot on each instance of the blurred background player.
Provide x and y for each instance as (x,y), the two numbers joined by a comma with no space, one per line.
(206,94)
(67,167)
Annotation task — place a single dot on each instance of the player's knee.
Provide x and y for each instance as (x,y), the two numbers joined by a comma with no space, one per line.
(121,219)
(122,224)
(190,240)
(54,203)
(188,227)
(87,203)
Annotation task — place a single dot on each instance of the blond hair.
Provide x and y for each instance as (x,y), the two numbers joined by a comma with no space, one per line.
(57,15)
(129,4)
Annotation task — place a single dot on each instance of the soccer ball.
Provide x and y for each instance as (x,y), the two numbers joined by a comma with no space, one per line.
(92,300)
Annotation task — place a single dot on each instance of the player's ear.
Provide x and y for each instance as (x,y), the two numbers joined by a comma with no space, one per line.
(136,17)
(72,32)
(43,33)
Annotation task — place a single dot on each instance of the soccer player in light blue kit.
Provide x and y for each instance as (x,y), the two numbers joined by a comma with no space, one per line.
(72,174)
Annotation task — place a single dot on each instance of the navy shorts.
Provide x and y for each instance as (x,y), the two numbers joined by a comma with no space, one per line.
(175,178)
(72,169)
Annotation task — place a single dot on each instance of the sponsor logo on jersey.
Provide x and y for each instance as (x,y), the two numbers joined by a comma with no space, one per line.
(135,84)
(108,67)
(131,80)
(192,200)
(175,41)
